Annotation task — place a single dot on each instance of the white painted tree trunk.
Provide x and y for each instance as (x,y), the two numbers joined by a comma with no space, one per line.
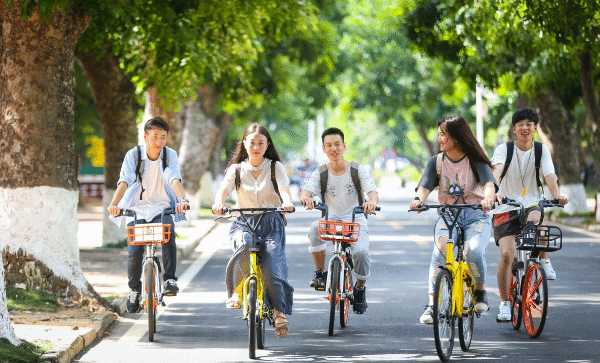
(6,330)
(42,221)
(111,233)
(577,198)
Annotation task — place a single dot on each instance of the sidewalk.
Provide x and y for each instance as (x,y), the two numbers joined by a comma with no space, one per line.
(106,270)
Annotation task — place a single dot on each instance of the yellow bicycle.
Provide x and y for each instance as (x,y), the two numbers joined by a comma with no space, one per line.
(453,290)
(257,310)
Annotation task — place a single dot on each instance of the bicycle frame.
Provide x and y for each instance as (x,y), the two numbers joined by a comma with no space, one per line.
(255,274)
(339,253)
(460,272)
(158,295)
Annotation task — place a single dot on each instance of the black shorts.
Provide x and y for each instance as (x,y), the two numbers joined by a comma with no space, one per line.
(508,224)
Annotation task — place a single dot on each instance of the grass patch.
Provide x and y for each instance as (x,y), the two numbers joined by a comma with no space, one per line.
(21,299)
(25,353)
(206,213)
(109,299)
(120,244)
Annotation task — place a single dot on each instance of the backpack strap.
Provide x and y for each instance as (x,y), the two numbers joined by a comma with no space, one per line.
(356,181)
(323,176)
(510,148)
(164,158)
(138,172)
(438,164)
(537,149)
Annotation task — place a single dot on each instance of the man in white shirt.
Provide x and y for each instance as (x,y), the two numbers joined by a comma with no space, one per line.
(150,181)
(341,196)
(520,182)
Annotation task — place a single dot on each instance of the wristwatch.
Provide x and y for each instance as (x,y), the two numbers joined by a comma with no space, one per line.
(184,200)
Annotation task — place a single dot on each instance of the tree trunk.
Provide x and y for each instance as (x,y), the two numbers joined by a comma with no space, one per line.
(117,106)
(429,146)
(6,330)
(555,127)
(592,113)
(38,163)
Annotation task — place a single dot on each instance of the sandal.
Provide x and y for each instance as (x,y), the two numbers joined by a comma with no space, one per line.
(281,328)
(234,302)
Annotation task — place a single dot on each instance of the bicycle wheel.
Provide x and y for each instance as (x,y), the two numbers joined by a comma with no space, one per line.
(515,302)
(333,296)
(345,303)
(535,300)
(252,318)
(465,324)
(443,321)
(261,327)
(150,300)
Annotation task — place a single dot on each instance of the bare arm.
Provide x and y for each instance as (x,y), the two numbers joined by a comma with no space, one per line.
(552,182)
(180,193)
(220,198)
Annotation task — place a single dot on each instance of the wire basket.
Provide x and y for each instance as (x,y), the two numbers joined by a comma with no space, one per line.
(150,233)
(339,231)
(540,238)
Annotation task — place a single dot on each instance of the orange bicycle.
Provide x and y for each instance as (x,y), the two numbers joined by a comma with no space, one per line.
(339,285)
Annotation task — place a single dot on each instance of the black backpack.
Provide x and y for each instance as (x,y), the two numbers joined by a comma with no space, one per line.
(138,165)
(537,149)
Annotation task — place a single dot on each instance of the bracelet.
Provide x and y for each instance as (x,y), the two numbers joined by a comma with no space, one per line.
(184,200)
(419,199)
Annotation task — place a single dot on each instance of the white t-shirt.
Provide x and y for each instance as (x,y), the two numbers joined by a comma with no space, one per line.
(341,195)
(521,174)
(154,198)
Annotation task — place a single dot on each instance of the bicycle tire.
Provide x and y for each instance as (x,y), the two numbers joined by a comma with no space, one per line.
(333,296)
(516,306)
(261,327)
(150,300)
(252,318)
(345,303)
(443,321)
(465,324)
(535,300)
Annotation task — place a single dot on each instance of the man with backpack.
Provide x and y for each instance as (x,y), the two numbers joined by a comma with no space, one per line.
(150,181)
(341,185)
(517,166)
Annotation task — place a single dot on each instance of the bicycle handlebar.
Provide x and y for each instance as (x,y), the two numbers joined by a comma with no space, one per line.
(356,210)
(544,203)
(425,207)
(132,213)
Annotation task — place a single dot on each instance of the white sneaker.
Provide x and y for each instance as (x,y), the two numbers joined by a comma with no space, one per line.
(427,317)
(550,273)
(504,313)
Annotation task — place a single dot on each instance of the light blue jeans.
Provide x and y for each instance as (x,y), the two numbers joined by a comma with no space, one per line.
(478,230)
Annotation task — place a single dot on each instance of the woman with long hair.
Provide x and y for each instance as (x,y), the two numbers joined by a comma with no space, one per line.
(463,174)
(258,176)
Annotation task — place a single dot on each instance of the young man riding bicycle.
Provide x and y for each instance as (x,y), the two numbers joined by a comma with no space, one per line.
(336,183)
(519,180)
(149,182)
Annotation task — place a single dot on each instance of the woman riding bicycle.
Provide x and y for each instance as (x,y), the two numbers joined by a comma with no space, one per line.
(464,175)
(251,173)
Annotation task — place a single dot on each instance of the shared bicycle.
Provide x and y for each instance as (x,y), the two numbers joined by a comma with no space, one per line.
(257,310)
(453,297)
(150,235)
(339,284)
(528,292)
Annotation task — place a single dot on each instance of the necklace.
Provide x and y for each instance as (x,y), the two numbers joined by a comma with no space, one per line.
(521,172)
(257,168)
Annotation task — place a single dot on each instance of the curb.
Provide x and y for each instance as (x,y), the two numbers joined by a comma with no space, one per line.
(65,355)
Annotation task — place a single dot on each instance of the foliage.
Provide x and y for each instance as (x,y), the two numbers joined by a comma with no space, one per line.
(25,353)
(22,299)
(95,152)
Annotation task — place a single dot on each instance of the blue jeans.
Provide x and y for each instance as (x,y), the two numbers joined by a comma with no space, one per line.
(136,256)
(478,230)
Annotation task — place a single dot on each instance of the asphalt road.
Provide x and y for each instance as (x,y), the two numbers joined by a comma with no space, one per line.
(196,326)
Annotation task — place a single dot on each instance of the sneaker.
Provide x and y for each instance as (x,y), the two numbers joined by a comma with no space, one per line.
(320,280)
(170,287)
(481,301)
(360,300)
(504,313)
(550,273)
(133,302)
(427,317)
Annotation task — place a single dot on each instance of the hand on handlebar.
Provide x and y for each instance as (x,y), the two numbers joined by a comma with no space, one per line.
(562,200)
(488,203)
(114,210)
(217,209)
(414,204)
(308,203)
(181,207)
(369,207)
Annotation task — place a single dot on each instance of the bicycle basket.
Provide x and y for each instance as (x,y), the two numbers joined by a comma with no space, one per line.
(151,233)
(339,231)
(540,238)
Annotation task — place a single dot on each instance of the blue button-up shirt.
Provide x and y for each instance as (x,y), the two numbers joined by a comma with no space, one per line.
(131,197)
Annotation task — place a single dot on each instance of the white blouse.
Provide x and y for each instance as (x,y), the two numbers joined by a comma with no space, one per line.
(257,192)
